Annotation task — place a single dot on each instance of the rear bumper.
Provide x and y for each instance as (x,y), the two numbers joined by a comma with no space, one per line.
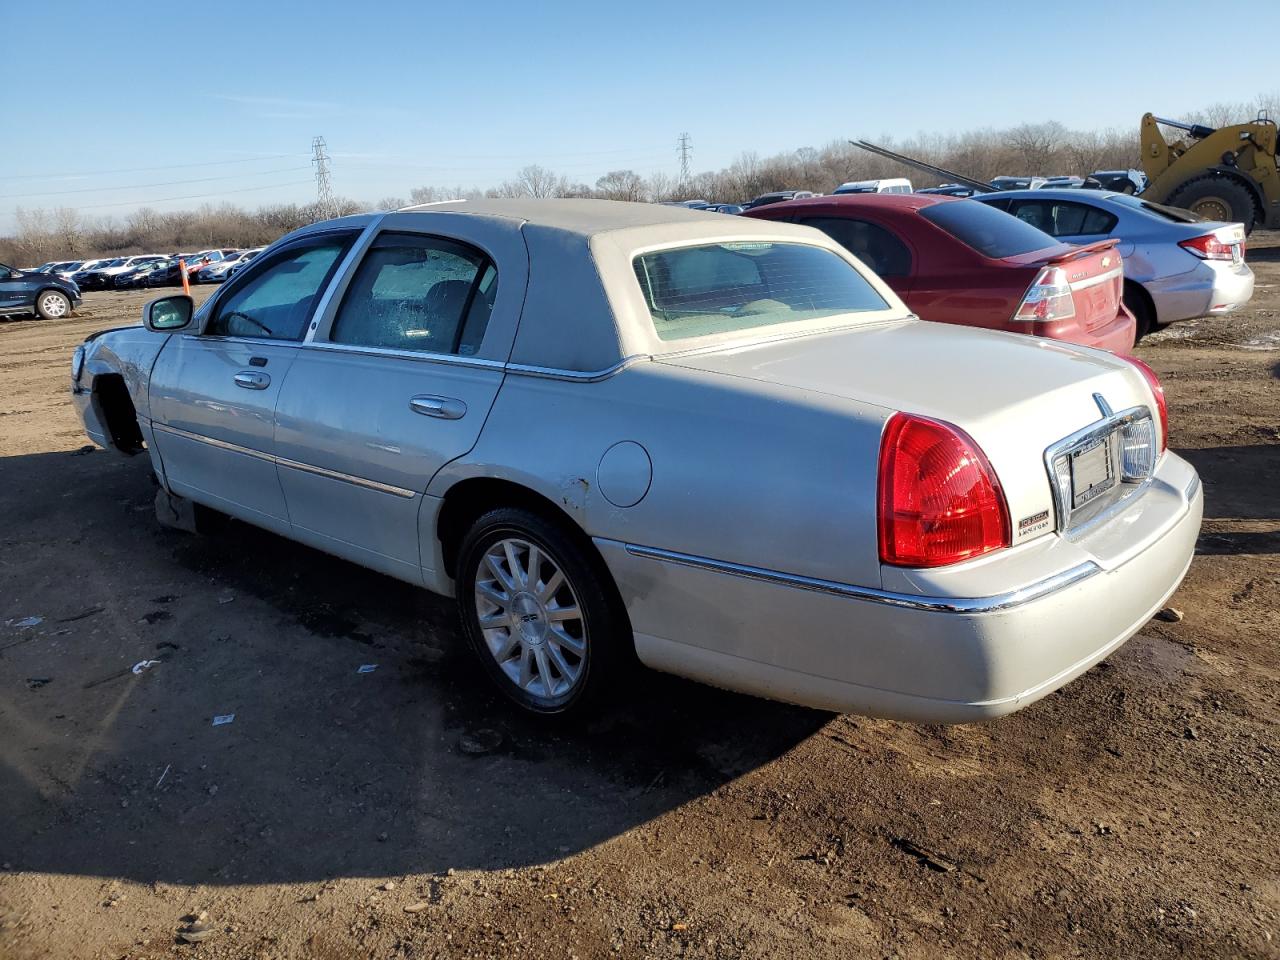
(928,658)
(1211,287)
(1117,335)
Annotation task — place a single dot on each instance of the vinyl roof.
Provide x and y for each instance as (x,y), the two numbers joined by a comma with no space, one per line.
(585,217)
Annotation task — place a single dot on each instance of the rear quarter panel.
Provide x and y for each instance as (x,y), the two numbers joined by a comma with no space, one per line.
(742,471)
(956,284)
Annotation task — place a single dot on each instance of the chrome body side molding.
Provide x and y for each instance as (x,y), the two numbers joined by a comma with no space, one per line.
(963,605)
(285,462)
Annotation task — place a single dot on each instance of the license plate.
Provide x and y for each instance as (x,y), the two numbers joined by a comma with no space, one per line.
(1091,473)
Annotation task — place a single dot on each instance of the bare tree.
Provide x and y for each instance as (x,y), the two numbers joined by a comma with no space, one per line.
(621,185)
(1037,144)
(541,182)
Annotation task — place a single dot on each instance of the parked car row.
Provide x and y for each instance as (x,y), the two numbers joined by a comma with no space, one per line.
(1121,181)
(111,273)
(723,447)
(1092,267)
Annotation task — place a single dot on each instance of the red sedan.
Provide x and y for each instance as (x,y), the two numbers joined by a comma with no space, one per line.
(960,261)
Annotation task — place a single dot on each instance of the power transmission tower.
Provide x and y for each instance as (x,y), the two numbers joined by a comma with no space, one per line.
(324,190)
(686,151)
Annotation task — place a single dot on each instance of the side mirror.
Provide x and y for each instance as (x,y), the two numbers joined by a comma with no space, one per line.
(168,313)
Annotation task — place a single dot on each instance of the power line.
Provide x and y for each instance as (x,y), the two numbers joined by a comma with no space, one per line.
(686,151)
(147,186)
(324,190)
(198,196)
(173,166)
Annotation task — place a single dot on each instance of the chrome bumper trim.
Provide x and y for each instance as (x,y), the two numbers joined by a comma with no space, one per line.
(1001,601)
(285,462)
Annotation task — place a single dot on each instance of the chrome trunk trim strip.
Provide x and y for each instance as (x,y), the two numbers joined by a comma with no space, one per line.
(965,605)
(1094,281)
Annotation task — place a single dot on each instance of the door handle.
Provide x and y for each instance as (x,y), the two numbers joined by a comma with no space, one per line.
(446,408)
(252,380)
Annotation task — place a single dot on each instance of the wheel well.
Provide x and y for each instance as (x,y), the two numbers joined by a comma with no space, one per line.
(1141,292)
(121,419)
(467,501)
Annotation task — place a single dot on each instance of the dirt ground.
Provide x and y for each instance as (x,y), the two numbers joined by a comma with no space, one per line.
(407,812)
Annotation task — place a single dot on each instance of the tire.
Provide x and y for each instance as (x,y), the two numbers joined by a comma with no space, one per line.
(52,305)
(1139,303)
(1217,197)
(545,661)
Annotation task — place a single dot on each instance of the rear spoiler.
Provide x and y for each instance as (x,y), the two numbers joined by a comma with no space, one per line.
(1075,253)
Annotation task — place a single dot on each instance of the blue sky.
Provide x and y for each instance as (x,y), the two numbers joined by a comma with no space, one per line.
(172,106)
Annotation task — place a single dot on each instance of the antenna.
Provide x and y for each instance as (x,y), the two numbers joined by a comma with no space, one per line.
(324,190)
(685,151)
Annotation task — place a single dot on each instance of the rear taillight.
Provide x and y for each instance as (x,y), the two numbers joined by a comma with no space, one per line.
(1208,247)
(939,501)
(1157,390)
(1048,298)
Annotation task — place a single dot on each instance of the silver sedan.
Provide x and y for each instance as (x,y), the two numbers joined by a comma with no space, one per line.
(717,445)
(1177,266)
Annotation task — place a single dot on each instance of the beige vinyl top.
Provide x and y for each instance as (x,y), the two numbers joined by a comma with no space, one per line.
(583,309)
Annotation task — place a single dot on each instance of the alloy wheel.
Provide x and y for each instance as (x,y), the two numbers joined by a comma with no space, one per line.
(53,305)
(530,618)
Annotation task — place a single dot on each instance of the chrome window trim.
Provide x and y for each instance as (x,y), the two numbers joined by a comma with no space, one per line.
(424,357)
(252,341)
(962,605)
(1109,423)
(576,376)
(285,462)
(356,252)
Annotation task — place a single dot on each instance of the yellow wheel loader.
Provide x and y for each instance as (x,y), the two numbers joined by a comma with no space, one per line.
(1229,173)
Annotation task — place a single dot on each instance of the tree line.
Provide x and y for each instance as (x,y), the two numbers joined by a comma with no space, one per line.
(1046,148)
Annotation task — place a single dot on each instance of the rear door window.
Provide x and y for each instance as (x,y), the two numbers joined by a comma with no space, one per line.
(871,243)
(413,292)
(1061,218)
(993,233)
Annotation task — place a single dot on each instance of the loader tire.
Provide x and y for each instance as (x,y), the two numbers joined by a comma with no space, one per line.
(1216,197)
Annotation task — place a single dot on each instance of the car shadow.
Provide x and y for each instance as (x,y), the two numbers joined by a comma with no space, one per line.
(1239,488)
(1263,255)
(324,771)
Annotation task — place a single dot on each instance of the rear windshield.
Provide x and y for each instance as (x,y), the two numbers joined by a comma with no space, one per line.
(726,287)
(1157,209)
(993,233)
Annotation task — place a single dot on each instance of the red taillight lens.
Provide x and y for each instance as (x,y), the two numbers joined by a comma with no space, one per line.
(939,500)
(1208,247)
(1162,405)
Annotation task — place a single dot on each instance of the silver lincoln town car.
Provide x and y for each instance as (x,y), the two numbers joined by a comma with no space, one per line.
(615,431)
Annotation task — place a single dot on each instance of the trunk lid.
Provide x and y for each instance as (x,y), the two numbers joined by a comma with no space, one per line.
(1015,395)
